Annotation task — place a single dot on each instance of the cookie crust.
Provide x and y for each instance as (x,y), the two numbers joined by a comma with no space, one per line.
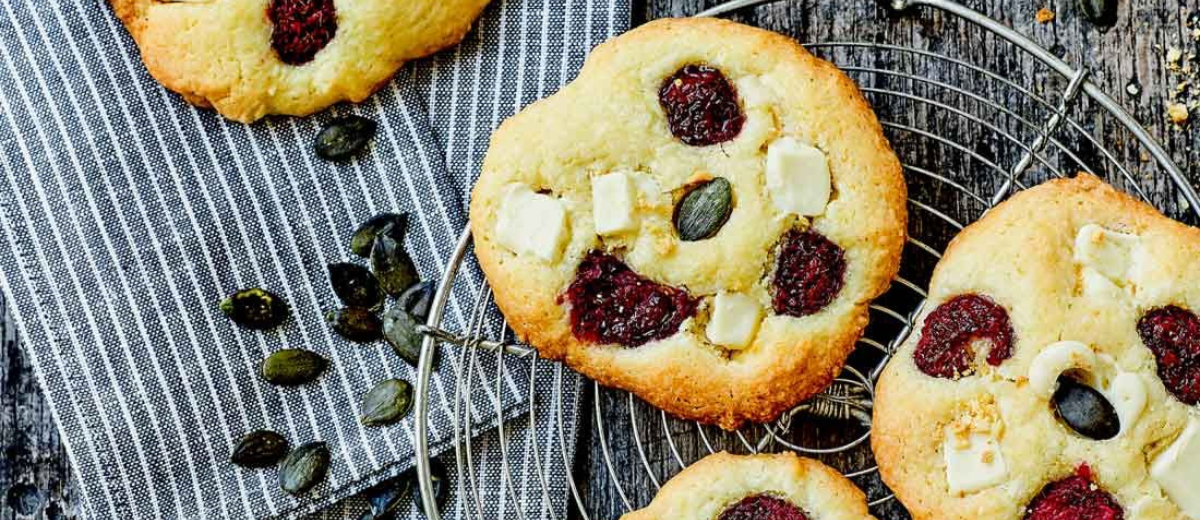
(609,119)
(217,53)
(1020,254)
(704,489)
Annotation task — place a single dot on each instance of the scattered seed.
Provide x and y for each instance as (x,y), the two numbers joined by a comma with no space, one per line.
(364,236)
(255,308)
(1044,16)
(417,300)
(304,468)
(400,330)
(292,367)
(343,137)
(392,265)
(388,402)
(1178,113)
(387,497)
(1133,88)
(24,499)
(355,285)
(1100,12)
(702,212)
(259,449)
(355,324)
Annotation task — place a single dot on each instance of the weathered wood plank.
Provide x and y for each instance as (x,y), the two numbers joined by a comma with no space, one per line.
(32,452)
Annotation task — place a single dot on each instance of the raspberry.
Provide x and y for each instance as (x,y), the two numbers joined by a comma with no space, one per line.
(701,106)
(1074,498)
(612,304)
(945,346)
(1173,335)
(301,28)
(808,274)
(762,507)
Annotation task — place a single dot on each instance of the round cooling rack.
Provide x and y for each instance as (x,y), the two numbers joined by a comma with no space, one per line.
(968,138)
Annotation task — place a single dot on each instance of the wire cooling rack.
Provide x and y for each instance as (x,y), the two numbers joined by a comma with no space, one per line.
(968,137)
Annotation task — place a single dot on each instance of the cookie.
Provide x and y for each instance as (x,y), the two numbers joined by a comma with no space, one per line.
(1055,370)
(701,218)
(782,486)
(250,58)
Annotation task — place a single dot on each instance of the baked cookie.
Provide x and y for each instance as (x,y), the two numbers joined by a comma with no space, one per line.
(250,58)
(782,486)
(1055,371)
(701,218)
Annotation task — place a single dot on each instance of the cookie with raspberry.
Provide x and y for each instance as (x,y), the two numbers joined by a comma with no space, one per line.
(251,58)
(1054,371)
(753,487)
(701,217)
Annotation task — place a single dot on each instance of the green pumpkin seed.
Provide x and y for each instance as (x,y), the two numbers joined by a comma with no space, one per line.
(293,367)
(417,300)
(392,265)
(388,402)
(1100,12)
(355,285)
(387,497)
(304,468)
(355,324)
(343,137)
(255,308)
(702,212)
(400,330)
(364,237)
(259,449)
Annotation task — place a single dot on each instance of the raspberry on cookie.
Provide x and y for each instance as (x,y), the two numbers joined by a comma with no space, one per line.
(1053,372)
(781,486)
(251,58)
(702,217)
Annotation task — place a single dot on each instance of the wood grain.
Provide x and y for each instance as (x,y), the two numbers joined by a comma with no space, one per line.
(33,454)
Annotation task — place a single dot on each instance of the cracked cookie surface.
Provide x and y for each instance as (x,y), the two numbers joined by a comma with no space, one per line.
(251,58)
(752,150)
(1086,411)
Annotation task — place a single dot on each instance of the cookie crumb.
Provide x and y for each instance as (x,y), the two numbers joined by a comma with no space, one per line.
(1044,16)
(1178,113)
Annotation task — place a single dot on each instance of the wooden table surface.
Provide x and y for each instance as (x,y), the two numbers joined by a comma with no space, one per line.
(1132,51)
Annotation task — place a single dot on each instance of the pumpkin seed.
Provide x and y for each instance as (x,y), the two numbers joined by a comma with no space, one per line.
(259,449)
(291,367)
(392,265)
(24,499)
(255,308)
(400,331)
(440,481)
(417,300)
(1085,410)
(387,497)
(304,468)
(364,236)
(355,285)
(388,402)
(1100,12)
(355,324)
(343,137)
(702,212)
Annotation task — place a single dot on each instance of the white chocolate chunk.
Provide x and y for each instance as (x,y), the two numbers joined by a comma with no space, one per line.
(614,203)
(734,320)
(1096,285)
(973,462)
(1108,252)
(531,223)
(1177,470)
(797,177)
(1055,359)
(1127,393)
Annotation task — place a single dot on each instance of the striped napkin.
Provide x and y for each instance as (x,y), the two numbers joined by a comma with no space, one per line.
(125,215)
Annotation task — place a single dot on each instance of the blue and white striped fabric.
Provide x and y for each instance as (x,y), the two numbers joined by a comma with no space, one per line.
(125,215)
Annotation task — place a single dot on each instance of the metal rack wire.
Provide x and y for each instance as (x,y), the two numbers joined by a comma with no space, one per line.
(968,138)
